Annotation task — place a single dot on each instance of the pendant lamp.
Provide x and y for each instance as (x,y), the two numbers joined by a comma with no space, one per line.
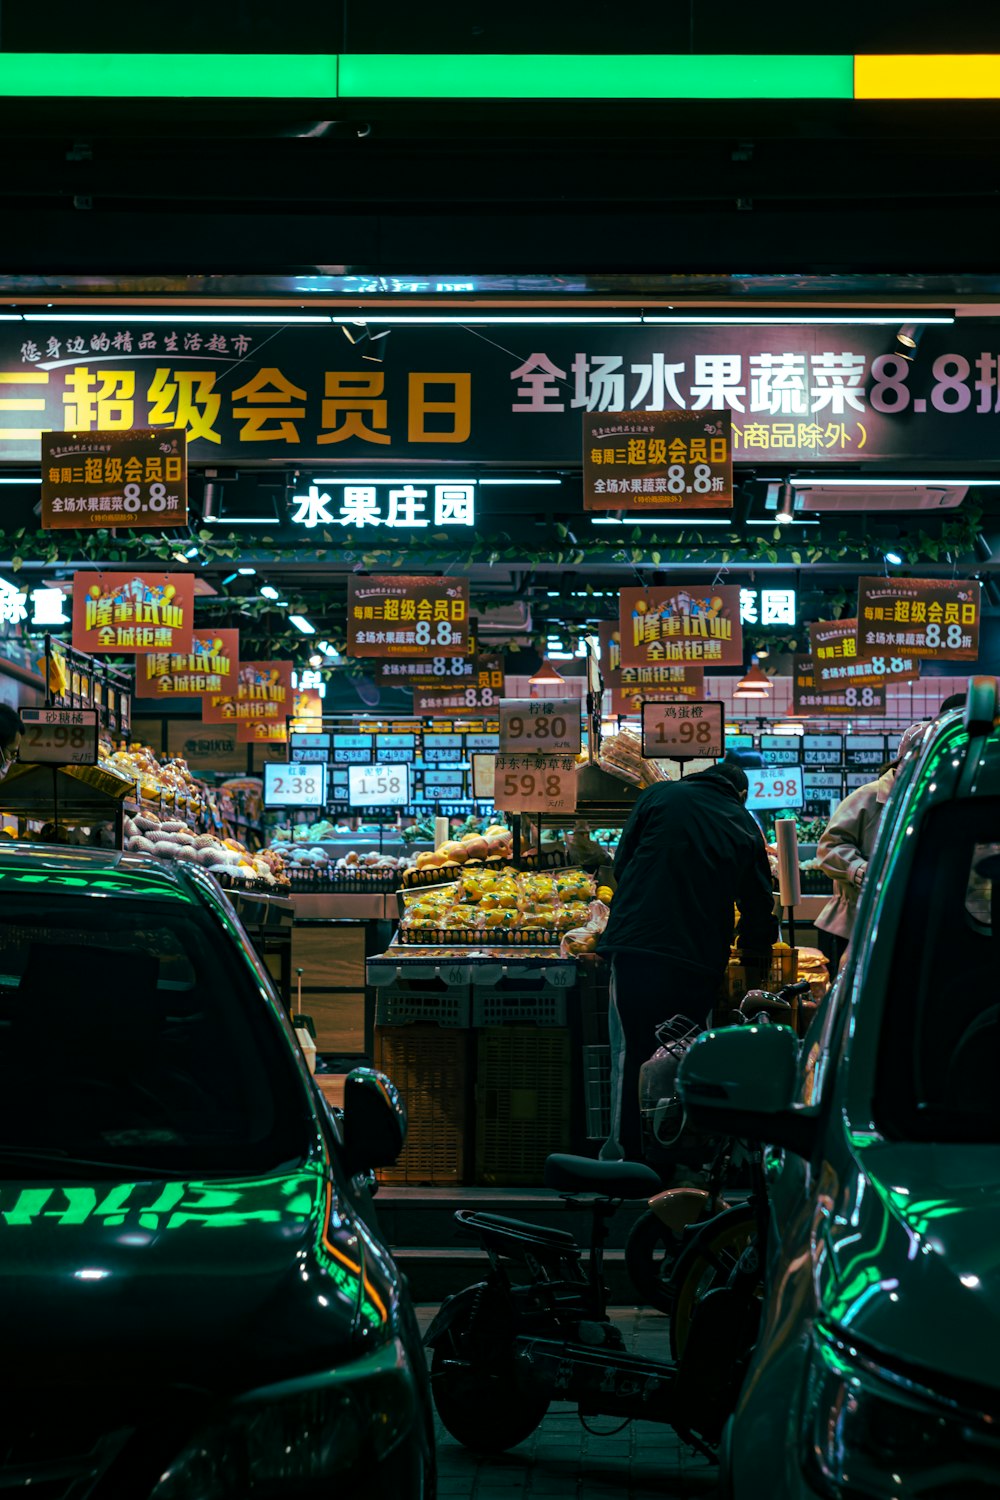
(545,674)
(754,685)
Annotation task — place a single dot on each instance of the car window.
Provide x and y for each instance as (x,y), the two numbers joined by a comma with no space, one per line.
(136,1033)
(939,1054)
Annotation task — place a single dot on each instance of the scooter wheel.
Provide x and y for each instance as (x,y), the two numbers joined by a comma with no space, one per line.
(708,1262)
(484,1409)
(651,1252)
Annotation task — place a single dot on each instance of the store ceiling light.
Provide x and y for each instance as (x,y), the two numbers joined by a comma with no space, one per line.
(780,318)
(247,572)
(268,591)
(893,558)
(696,521)
(545,675)
(191,552)
(301,623)
(785,513)
(315,660)
(754,685)
(901,483)
(207,319)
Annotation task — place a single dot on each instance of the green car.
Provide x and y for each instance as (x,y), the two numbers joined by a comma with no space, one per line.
(877,1371)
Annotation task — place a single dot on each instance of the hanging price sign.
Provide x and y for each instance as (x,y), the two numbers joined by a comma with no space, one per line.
(781,787)
(546,725)
(683,731)
(535,783)
(378,786)
(59,736)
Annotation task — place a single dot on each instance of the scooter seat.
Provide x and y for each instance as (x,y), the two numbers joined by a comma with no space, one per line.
(617,1179)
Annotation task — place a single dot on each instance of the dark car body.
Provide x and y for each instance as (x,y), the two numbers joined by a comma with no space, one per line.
(194,1298)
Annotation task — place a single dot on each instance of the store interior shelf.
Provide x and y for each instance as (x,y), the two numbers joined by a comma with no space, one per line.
(38,791)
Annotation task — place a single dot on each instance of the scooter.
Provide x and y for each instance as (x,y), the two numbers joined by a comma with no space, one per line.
(504,1349)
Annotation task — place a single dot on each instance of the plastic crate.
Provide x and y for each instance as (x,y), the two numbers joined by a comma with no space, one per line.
(439,1007)
(597,1092)
(430,1067)
(535,1007)
(522,1103)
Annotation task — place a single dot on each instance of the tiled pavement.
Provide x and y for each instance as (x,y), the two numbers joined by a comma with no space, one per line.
(563,1461)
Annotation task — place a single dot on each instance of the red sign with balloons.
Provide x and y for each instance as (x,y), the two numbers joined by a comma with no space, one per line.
(132,613)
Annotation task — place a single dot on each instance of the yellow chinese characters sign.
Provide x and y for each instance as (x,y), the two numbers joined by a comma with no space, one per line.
(261,705)
(928,617)
(133,612)
(838,664)
(679,625)
(809,700)
(657,460)
(113,478)
(407,616)
(210,667)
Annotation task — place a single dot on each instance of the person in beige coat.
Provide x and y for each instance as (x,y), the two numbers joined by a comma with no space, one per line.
(846,847)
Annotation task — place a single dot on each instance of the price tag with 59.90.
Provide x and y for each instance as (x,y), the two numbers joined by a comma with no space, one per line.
(549,726)
(683,731)
(535,783)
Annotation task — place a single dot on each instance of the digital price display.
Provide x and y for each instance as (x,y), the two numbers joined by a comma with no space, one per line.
(353,749)
(781,787)
(396,749)
(490,742)
(548,726)
(310,749)
(683,731)
(294,785)
(378,786)
(59,736)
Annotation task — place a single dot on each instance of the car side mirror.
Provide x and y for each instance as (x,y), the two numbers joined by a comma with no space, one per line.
(374,1121)
(742,1081)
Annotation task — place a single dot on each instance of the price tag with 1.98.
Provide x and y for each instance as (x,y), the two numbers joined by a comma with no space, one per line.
(683,731)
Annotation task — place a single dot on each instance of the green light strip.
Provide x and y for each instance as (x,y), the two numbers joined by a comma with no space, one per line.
(578,76)
(425,76)
(150,75)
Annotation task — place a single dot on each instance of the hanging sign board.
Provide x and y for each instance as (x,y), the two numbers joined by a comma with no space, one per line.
(809,701)
(101,479)
(133,612)
(535,783)
(928,617)
(657,460)
(681,625)
(547,726)
(483,689)
(398,616)
(781,787)
(839,664)
(59,736)
(683,731)
(263,697)
(211,666)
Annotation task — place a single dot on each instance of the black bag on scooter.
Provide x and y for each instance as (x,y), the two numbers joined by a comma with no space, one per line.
(668,1141)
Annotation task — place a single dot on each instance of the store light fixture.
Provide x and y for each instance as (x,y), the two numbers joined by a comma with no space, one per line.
(315,660)
(893,558)
(301,623)
(516,481)
(695,521)
(755,684)
(268,591)
(785,513)
(867,481)
(786,320)
(23,479)
(246,572)
(191,552)
(545,675)
(113,315)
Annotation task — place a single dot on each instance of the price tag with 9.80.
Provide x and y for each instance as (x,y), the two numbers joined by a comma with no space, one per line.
(535,783)
(683,731)
(548,726)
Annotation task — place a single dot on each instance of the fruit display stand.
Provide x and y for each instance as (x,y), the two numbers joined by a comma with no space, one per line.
(68,797)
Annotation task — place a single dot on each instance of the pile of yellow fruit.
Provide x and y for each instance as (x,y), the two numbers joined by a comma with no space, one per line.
(492,847)
(489,900)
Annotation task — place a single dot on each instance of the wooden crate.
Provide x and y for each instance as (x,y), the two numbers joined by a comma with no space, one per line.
(522,1103)
(430,1067)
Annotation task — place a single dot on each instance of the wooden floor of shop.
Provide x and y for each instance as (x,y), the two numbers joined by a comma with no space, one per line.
(419,1224)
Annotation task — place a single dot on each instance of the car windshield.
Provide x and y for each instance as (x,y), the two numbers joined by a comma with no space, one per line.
(939,1055)
(133,1034)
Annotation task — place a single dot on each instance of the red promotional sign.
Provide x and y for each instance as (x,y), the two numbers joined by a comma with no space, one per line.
(835,657)
(210,667)
(677,625)
(929,617)
(810,701)
(398,616)
(133,612)
(263,696)
(657,460)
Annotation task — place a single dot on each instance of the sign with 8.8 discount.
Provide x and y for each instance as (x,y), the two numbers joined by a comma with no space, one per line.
(657,460)
(407,616)
(59,736)
(294,785)
(775,788)
(117,478)
(683,731)
(936,617)
(549,726)
(838,664)
(535,783)
(810,701)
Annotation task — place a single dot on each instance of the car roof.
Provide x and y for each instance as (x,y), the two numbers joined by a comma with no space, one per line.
(54,868)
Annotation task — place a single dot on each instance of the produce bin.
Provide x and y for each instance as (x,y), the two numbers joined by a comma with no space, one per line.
(430,1067)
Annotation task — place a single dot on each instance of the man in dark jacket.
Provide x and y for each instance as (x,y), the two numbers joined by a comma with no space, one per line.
(689,853)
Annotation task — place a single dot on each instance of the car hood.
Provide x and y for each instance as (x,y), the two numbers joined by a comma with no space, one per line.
(217,1285)
(909,1260)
